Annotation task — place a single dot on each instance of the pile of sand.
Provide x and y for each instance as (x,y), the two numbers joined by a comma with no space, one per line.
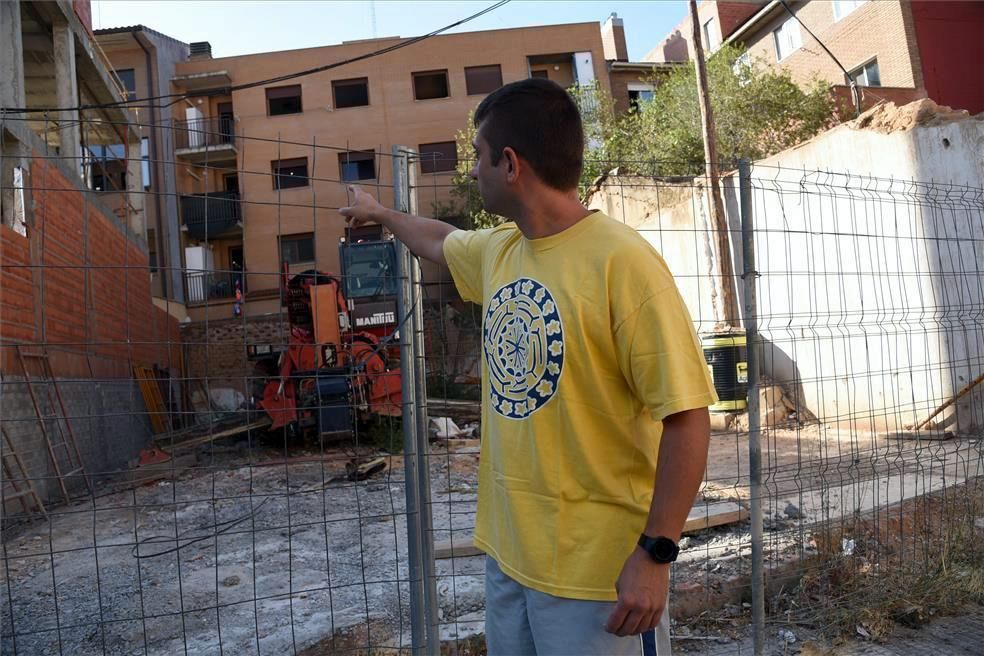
(889,117)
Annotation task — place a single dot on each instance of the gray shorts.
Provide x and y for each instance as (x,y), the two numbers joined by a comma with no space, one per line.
(523,622)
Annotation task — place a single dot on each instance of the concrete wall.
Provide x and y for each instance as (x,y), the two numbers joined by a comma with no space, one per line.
(870,247)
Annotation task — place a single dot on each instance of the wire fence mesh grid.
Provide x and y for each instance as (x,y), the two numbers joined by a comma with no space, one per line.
(219,524)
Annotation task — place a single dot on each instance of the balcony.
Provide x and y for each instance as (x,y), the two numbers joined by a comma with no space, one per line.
(212,216)
(206,286)
(209,140)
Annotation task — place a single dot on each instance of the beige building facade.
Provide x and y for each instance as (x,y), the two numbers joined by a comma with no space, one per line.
(864,35)
(892,50)
(262,171)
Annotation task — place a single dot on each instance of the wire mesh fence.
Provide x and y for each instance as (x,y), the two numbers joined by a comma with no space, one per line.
(285,460)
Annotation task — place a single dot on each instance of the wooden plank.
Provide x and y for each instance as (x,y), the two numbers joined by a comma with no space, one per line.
(211,437)
(708,515)
(463,547)
(924,434)
(701,517)
(151,392)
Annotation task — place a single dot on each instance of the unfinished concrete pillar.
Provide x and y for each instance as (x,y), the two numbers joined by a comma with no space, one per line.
(133,196)
(12,95)
(67,95)
(11,56)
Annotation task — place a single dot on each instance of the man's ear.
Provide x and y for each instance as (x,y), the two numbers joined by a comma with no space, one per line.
(512,163)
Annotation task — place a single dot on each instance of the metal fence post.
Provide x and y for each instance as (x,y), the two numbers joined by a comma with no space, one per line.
(426,521)
(405,304)
(424,627)
(750,278)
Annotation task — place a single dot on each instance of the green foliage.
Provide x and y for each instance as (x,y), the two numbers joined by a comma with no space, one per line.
(758,111)
(465,203)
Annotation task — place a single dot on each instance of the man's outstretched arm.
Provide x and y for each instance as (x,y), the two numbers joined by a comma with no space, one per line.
(424,237)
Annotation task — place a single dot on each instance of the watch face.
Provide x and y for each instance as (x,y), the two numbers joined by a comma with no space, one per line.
(663,549)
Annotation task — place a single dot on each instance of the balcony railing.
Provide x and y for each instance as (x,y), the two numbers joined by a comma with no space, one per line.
(208,216)
(204,286)
(207,133)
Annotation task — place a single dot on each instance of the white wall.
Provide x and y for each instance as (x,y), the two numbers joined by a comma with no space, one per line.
(871,289)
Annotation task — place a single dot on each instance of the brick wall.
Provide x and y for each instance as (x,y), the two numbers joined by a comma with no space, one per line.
(78,283)
(78,287)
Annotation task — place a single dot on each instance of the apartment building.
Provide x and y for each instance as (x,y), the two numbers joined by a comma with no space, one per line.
(897,50)
(144,61)
(262,170)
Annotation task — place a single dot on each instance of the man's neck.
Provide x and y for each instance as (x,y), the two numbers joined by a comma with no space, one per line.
(549,215)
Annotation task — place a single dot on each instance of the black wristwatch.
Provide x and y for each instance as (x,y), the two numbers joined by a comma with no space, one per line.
(661,549)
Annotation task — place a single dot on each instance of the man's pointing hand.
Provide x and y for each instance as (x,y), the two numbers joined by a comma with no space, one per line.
(364,208)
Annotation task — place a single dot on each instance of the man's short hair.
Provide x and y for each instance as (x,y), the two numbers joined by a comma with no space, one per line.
(539,120)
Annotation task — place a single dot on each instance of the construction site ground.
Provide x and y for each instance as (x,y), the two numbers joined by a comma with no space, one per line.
(269,550)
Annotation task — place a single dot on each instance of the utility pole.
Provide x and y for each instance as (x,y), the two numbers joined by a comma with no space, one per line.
(729,304)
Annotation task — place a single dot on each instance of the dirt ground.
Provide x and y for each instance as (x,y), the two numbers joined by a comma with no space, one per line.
(262,553)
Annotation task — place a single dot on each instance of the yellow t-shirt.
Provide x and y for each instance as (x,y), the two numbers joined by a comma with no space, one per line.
(587,347)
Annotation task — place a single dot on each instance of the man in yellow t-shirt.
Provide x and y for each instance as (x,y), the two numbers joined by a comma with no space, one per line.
(595,391)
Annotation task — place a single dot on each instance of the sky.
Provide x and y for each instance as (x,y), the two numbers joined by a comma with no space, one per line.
(235,27)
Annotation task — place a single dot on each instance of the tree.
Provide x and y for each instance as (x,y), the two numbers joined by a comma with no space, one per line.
(465,203)
(758,111)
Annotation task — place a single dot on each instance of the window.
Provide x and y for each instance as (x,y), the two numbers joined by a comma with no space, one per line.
(639,94)
(350,93)
(357,165)
(430,85)
(129,81)
(297,249)
(843,7)
(290,173)
(13,212)
(866,75)
(540,73)
(230,183)
(145,162)
(787,38)
(480,80)
(742,67)
(437,157)
(109,181)
(710,34)
(284,100)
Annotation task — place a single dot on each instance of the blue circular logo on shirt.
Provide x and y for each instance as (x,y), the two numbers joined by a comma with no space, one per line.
(524,348)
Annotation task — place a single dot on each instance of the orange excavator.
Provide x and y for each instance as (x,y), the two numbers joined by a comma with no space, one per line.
(340,364)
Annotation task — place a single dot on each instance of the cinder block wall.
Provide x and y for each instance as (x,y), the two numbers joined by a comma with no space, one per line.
(215,350)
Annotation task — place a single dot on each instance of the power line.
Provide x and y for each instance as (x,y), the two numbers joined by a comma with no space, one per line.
(227,90)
